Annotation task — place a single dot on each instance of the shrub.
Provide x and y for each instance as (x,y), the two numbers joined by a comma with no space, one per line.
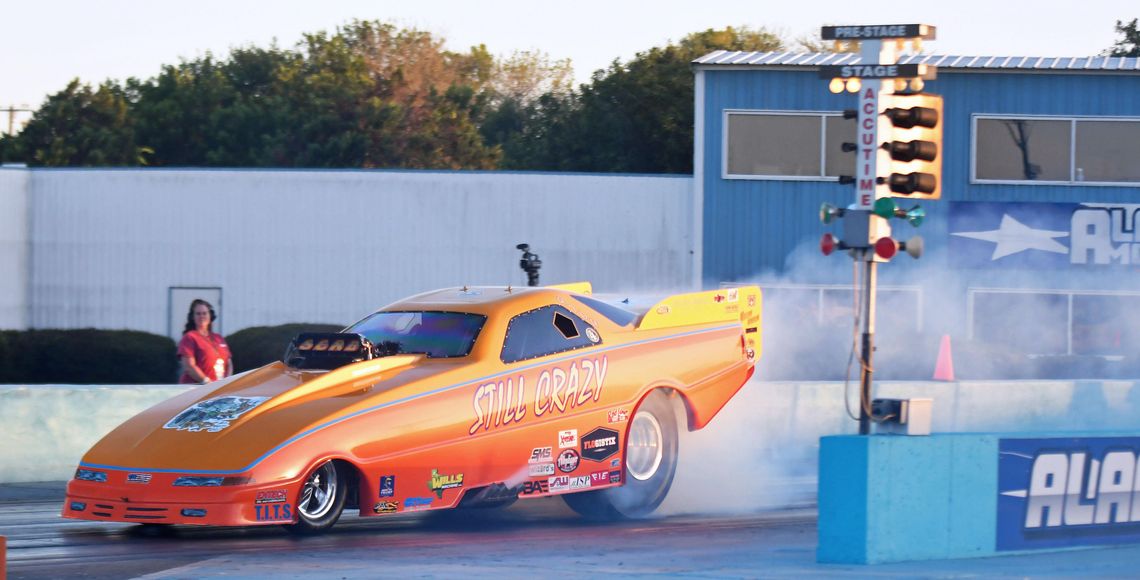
(258,346)
(86,356)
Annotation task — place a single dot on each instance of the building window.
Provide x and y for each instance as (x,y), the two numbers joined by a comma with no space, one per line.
(1056,150)
(787,145)
(1055,322)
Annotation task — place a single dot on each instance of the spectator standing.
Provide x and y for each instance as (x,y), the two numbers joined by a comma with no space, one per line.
(204,353)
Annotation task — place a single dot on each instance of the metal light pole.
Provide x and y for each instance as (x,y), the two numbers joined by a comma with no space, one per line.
(866,231)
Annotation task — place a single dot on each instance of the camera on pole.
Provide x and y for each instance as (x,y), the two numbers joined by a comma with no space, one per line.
(530,264)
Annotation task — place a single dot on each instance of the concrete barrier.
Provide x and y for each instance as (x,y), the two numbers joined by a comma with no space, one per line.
(45,429)
(885,498)
(773,426)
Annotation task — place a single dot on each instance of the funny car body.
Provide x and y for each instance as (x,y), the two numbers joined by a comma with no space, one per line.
(452,398)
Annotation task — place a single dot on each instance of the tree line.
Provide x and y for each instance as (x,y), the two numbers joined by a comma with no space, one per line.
(371,95)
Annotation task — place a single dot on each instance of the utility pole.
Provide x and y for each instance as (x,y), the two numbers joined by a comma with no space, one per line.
(898,137)
(12,110)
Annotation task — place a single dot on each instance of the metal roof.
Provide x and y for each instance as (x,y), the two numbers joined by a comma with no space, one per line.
(943,62)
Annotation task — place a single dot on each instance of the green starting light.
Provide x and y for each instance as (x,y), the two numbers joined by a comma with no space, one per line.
(828,212)
(886,208)
(915,215)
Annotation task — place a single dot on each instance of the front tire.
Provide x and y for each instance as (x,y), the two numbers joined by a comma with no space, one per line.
(321,500)
(650,464)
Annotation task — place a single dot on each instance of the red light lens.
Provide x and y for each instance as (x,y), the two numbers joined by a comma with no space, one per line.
(827,244)
(886,248)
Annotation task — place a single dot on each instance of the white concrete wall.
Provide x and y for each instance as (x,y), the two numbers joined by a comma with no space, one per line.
(332,246)
(14,246)
(761,449)
(48,428)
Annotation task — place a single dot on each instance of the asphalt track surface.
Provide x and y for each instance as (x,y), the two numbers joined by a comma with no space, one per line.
(531,538)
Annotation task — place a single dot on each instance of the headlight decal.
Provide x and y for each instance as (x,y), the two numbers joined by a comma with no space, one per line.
(90,475)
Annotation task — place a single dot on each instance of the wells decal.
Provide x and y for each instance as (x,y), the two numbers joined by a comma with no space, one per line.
(440,482)
(556,390)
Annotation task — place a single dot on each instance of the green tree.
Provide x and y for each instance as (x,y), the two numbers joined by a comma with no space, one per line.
(632,117)
(10,151)
(1129,43)
(514,89)
(79,126)
(366,95)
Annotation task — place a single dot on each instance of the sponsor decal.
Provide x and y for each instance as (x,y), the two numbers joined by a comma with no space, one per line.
(536,487)
(618,416)
(385,507)
(556,390)
(1044,235)
(733,294)
(143,478)
(559,484)
(599,444)
(1063,492)
(663,309)
(568,460)
(387,485)
(751,300)
(580,482)
(615,477)
(540,455)
(593,335)
(568,438)
(540,470)
(213,415)
(413,504)
(719,298)
(615,462)
(599,477)
(271,496)
(439,482)
(276,512)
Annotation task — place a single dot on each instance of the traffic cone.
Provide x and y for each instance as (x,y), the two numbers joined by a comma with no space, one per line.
(944,368)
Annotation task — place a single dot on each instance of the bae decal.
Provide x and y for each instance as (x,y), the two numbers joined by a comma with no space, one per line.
(1043,235)
(1067,492)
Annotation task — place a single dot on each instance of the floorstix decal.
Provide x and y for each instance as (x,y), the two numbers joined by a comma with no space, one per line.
(1068,492)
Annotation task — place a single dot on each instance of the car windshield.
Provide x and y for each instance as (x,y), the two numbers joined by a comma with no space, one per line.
(436,334)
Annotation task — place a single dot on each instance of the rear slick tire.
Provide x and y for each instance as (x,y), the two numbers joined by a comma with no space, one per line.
(321,500)
(649,466)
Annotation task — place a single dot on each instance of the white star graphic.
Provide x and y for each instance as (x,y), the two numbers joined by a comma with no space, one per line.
(1013,237)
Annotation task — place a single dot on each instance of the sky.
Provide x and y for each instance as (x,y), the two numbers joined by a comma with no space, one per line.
(46,44)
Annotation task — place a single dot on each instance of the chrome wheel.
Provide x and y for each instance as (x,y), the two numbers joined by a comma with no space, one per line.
(319,493)
(643,453)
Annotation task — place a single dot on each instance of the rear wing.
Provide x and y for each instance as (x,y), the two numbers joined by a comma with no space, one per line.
(742,304)
(576,287)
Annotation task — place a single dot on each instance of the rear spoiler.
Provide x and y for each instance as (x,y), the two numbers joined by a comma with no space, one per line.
(576,287)
(742,304)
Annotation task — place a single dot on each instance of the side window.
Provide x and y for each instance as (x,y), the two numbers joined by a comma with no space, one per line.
(546,330)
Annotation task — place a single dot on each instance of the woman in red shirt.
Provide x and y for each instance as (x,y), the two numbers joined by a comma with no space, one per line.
(204,353)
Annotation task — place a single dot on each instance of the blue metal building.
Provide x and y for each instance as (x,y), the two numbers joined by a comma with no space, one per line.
(1040,192)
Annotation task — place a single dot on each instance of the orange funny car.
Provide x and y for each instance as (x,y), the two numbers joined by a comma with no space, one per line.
(452,398)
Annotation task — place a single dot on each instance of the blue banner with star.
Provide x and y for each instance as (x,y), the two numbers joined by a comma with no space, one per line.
(1043,235)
